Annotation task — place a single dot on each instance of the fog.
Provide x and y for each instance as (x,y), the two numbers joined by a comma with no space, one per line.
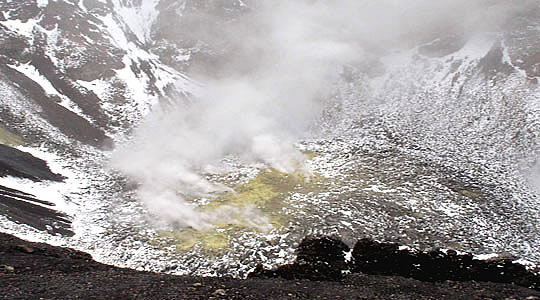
(282,60)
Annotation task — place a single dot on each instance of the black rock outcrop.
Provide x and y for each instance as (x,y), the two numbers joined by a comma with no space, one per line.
(323,259)
(22,207)
(17,163)
(371,257)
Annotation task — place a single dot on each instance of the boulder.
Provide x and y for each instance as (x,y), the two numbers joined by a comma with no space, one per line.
(376,258)
(318,258)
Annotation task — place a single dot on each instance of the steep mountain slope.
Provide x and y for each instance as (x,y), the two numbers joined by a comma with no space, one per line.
(75,78)
(82,66)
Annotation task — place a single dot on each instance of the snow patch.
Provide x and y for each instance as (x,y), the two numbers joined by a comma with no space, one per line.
(136,87)
(139,19)
(476,48)
(54,192)
(526,263)
(138,84)
(22,28)
(508,60)
(42,3)
(48,191)
(450,209)
(485,256)
(99,87)
(348,255)
(31,72)
(379,189)
(116,34)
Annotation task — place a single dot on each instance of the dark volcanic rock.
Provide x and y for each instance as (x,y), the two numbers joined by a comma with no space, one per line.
(24,208)
(326,249)
(493,63)
(320,258)
(323,259)
(371,257)
(17,163)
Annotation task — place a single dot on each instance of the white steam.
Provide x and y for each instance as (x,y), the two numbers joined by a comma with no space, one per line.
(534,175)
(283,59)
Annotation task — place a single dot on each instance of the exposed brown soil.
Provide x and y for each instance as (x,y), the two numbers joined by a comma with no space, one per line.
(34,271)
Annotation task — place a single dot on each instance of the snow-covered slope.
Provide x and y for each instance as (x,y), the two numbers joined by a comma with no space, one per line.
(76,77)
(88,57)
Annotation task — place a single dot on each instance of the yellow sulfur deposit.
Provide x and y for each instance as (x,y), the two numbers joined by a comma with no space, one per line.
(211,240)
(10,139)
(263,194)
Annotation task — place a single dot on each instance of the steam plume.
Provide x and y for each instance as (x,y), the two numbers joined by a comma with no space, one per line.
(283,59)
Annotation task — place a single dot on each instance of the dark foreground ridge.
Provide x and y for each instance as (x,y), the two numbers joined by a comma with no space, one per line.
(33,271)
